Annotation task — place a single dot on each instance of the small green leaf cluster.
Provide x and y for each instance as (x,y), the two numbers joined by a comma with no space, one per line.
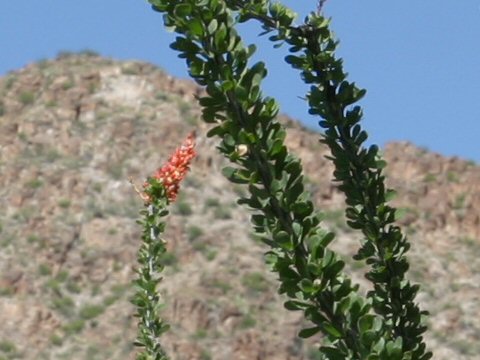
(387,323)
(149,257)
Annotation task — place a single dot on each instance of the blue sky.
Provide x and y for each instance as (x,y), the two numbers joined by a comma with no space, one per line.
(419,60)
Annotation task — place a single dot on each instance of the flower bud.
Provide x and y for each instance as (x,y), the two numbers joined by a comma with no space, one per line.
(241,149)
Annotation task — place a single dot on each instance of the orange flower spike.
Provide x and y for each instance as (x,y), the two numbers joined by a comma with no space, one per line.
(174,171)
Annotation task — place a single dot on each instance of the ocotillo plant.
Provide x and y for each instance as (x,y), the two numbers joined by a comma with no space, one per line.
(387,324)
(357,169)
(159,191)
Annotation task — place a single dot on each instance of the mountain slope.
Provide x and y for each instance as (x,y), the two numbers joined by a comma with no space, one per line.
(74,129)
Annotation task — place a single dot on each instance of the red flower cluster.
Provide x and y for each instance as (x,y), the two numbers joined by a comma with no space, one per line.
(176,168)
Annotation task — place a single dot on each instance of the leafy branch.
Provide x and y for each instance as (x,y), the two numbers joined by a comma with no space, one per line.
(147,299)
(309,273)
(158,192)
(357,169)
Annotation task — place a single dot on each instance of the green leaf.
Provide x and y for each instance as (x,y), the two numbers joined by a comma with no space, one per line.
(328,238)
(229,140)
(380,345)
(212,27)
(295,190)
(210,101)
(196,27)
(297,62)
(344,305)
(278,45)
(257,80)
(334,269)
(306,285)
(360,139)
(342,289)
(259,192)
(297,229)
(308,332)
(356,130)
(228,85)
(331,330)
(381,164)
(236,176)
(251,49)
(294,305)
(359,94)
(182,10)
(258,219)
(284,240)
(332,353)
(241,93)
(286,272)
(328,258)
(209,115)
(302,208)
(220,36)
(394,349)
(365,323)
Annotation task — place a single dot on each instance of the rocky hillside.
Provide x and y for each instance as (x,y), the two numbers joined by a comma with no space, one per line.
(74,129)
